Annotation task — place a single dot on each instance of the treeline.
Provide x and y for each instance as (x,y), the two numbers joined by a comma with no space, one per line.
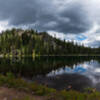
(30,42)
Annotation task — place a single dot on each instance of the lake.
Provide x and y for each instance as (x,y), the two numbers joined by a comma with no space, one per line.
(60,73)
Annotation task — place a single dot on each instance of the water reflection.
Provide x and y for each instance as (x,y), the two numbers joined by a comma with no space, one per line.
(56,72)
(77,69)
(89,69)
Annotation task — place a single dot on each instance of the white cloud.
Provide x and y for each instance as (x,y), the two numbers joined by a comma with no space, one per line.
(92,7)
(89,12)
(3,25)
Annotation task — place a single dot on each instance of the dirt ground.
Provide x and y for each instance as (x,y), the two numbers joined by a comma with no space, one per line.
(12,94)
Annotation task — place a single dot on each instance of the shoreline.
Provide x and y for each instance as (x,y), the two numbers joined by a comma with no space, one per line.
(18,89)
(11,56)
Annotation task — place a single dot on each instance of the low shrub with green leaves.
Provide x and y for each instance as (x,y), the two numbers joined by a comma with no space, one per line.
(74,95)
(51,94)
(11,82)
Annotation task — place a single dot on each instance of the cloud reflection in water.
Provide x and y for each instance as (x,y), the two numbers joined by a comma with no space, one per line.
(89,69)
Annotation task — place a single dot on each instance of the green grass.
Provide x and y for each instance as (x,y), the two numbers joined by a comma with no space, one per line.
(25,98)
(11,82)
(74,95)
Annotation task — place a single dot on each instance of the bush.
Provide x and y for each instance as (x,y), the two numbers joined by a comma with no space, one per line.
(10,81)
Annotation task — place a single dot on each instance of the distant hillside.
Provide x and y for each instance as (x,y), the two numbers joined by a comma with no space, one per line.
(18,42)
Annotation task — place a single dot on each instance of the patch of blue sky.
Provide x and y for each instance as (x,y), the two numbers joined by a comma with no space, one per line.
(78,69)
(80,37)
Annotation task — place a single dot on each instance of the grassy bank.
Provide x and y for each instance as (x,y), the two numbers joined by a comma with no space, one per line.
(11,82)
(19,84)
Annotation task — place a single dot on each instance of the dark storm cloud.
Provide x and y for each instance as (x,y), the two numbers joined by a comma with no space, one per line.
(45,15)
(79,21)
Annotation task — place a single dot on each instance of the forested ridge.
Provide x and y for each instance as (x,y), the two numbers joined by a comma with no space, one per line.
(30,42)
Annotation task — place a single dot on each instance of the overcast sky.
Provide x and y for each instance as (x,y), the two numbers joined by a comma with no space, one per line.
(77,20)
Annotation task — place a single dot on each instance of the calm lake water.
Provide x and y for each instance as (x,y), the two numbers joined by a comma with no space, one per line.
(57,72)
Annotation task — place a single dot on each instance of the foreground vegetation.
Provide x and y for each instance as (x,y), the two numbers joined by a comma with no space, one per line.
(11,82)
(18,42)
(51,94)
